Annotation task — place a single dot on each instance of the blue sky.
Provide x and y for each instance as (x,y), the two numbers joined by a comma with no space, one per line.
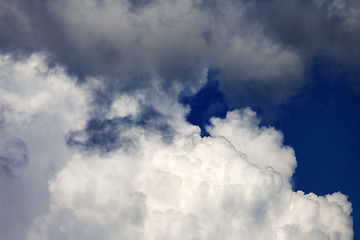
(181,119)
(322,126)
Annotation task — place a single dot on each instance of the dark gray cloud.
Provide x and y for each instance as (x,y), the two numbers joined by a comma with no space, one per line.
(313,27)
(13,157)
(259,46)
(173,39)
(261,49)
(109,134)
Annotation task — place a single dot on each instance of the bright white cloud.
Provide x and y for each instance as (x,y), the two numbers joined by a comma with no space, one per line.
(193,188)
(263,145)
(234,183)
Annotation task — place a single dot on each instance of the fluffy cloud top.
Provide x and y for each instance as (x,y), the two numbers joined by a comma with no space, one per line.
(234,184)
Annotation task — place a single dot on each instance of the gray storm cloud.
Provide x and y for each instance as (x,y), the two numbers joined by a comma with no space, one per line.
(234,184)
(263,45)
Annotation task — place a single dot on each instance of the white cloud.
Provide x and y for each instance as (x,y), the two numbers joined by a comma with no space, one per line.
(233,183)
(193,188)
(141,55)
(262,145)
(38,106)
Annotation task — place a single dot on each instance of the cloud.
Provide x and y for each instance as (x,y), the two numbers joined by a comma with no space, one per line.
(262,145)
(38,106)
(318,27)
(14,156)
(192,188)
(235,182)
(256,45)
(95,144)
(110,133)
(124,41)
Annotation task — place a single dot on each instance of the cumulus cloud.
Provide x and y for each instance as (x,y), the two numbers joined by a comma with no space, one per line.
(234,183)
(95,145)
(214,187)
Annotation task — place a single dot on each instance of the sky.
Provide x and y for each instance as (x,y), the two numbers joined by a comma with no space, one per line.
(169,119)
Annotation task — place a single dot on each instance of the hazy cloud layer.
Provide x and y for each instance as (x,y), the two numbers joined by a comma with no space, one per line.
(236,182)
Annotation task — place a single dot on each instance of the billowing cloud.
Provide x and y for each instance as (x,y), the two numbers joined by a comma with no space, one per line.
(172,38)
(138,170)
(95,145)
(262,46)
(175,38)
(192,188)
